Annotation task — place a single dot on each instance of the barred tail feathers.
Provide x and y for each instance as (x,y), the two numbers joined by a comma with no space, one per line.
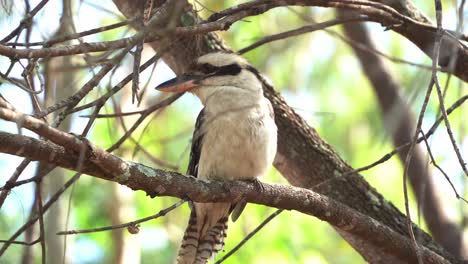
(212,242)
(205,233)
(188,248)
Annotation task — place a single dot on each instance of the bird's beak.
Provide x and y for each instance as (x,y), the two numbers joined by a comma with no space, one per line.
(180,84)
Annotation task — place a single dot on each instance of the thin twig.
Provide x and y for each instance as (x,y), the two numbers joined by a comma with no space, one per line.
(249,236)
(32,243)
(143,116)
(64,139)
(10,184)
(362,46)
(40,212)
(300,31)
(93,82)
(136,71)
(155,160)
(145,128)
(161,213)
(46,206)
(115,115)
(39,175)
(56,40)
(24,22)
(19,83)
(400,148)
(435,61)
(429,133)
(116,88)
(431,156)
(147,83)
(448,126)
(405,172)
(137,54)
(67,221)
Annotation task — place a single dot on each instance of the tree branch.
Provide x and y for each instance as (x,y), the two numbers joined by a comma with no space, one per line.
(156,182)
(420,32)
(99,156)
(399,16)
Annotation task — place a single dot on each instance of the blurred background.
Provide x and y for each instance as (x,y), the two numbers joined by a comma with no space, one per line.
(317,73)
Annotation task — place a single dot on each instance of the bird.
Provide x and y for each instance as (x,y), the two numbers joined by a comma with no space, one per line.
(235,138)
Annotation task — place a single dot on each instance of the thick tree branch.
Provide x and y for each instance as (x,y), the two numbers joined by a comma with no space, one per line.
(399,16)
(414,28)
(100,157)
(156,182)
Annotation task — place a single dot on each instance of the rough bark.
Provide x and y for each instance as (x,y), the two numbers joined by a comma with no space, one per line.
(156,182)
(303,158)
(449,49)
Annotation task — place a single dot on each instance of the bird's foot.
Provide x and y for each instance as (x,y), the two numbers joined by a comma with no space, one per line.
(257,184)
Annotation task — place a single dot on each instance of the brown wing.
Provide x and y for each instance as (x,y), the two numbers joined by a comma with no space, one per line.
(195,150)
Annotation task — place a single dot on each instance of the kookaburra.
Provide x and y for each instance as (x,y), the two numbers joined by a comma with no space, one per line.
(234,139)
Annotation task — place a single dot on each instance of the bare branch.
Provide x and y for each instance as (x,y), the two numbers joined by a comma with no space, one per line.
(10,183)
(100,157)
(25,21)
(384,14)
(301,30)
(68,37)
(40,212)
(32,243)
(161,213)
(428,148)
(157,182)
(46,206)
(101,100)
(403,147)
(419,32)
(249,236)
(73,100)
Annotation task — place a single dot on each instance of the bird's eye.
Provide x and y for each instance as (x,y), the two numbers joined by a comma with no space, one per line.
(207,68)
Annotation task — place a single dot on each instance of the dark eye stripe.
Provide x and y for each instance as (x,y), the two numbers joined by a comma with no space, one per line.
(206,68)
(231,69)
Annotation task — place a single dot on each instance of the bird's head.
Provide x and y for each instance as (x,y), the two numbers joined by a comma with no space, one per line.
(213,73)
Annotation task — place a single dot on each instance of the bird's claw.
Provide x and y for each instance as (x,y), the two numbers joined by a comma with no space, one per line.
(258,185)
